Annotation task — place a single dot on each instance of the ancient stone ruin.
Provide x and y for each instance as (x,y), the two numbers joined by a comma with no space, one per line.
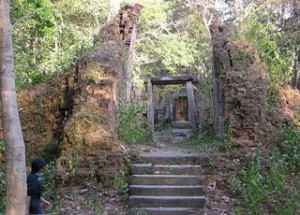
(239,90)
(75,115)
(89,136)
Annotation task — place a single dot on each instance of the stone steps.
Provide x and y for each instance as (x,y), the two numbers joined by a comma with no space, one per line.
(167,201)
(166,169)
(169,184)
(163,190)
(168,211)
(174,159)
(166,180)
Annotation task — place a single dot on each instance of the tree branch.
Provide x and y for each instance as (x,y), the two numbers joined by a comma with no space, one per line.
(27,15)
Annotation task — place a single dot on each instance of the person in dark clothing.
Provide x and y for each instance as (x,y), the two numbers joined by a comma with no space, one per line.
(34,188)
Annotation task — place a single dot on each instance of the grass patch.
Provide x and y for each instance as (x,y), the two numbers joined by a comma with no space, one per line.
(206,139)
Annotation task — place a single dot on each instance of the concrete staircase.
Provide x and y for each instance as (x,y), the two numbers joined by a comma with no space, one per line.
(167,185)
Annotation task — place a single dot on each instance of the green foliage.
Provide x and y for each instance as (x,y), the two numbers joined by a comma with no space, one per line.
(121,182)
(51,151)
(275,43)
(206,139)
(74,163)
(154,13)
(94,180)
(291,148)
(49,35)
(48,180)
(90,203)
(279,66)
(132,126)
(175,52)
(227,140)
(2,148)
(171,43)
(270,182)
(253,186)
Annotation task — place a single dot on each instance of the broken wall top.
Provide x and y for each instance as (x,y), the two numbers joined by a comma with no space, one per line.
(121,27)
(243,85)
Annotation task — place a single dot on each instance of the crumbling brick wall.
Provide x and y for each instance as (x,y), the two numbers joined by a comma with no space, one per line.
(240,88)
(122,26)
(89,138)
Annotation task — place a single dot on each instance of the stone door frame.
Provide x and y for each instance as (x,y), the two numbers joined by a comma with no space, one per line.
(188,80)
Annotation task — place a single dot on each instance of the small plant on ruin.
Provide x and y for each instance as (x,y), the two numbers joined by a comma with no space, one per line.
(91,204)
(121,182)
(206,139)
(227,142)
(73,163)
(291,148)
(93,174)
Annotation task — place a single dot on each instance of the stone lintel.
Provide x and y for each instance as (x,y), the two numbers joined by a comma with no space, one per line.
(172,80)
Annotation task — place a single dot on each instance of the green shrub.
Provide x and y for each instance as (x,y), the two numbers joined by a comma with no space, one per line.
(291,148)
(51,151)
(121,182)
(227,141)
(74,163)
(133,128)
(270,183)
(206,139)
(95,182)
(48,179)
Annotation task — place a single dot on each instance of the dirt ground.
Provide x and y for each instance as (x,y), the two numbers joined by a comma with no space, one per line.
(88,200)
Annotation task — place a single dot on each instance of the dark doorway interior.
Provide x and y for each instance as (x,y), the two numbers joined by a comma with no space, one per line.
(181,109)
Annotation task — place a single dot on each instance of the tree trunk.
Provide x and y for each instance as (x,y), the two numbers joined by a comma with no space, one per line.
(12,132)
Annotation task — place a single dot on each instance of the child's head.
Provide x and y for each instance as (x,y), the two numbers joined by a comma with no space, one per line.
(37,164)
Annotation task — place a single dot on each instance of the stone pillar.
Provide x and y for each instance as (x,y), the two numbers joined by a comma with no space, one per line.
(192,106)
(168,107)
(150,112)
(220,62)
(129,66)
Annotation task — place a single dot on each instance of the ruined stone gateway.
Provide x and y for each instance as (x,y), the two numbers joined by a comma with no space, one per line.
(75,115)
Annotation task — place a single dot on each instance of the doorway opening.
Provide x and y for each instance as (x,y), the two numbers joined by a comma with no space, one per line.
(171,109)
